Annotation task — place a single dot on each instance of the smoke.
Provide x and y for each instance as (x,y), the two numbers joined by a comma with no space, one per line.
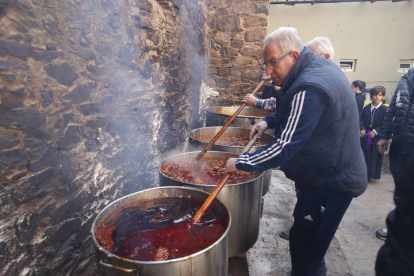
(149,68)
(105,87)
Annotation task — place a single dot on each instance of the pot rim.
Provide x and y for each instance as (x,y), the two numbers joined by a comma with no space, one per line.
(191,135)
(204,185)
(212,110)
(111,255)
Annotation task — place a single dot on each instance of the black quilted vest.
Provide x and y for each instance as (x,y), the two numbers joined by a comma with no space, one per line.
(332,158)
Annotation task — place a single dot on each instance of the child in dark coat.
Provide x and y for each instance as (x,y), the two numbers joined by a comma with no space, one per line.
(370,121)
(358,87)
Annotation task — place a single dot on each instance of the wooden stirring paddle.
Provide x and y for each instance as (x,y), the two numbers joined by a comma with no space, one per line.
(218,188)
(201,154)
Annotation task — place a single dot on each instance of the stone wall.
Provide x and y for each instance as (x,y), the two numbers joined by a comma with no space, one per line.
(92,93)
(237,29)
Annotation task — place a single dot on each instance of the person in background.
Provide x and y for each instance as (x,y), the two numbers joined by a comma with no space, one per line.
(268,88)
(320,46)
(396,256)
(315,123)
(358,87)
(370,122)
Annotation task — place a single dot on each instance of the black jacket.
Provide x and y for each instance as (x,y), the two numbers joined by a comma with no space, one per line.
(268,91)
(360,99)
(399,119)
(365,118)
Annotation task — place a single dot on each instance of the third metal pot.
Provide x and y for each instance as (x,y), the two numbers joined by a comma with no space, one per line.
(249,116)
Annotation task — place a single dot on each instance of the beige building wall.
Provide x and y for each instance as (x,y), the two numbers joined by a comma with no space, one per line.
(377,34)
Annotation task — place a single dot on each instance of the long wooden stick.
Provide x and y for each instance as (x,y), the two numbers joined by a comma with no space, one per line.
(218,188)
(201,154)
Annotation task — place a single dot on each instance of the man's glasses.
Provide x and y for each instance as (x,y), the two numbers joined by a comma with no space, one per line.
(273,63)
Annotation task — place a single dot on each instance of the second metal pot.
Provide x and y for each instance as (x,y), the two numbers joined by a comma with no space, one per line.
(194,139)
(242,199)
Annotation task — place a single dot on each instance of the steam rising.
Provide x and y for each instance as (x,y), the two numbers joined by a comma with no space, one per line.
(102,89)
(149,96)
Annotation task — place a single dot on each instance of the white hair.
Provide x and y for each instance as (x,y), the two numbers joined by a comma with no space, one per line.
(322,46)
(287,38)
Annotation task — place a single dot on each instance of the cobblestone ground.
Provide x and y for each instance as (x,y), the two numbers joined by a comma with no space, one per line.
(354,248)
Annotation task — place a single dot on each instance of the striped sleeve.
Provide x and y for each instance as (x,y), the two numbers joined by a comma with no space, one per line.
(296,128)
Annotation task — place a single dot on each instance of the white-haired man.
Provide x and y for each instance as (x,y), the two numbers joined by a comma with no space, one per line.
(316,144)
(320,46)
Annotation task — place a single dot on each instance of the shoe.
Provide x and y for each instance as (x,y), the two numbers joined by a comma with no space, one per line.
(285,234)
(382,234)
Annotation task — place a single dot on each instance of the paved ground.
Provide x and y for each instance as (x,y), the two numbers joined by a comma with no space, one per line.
(354,247)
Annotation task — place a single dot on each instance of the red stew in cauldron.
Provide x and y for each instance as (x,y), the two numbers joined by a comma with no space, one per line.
(159,229)
(206,171)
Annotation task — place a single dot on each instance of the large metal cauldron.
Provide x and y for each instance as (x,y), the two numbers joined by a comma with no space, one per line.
(242,199)
(210,261)
(195,135)
(218,116)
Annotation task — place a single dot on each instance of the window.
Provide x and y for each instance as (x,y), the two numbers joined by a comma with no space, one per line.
(404,65)
(347,65)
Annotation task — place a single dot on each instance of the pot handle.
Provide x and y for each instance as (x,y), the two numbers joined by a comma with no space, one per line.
(120,268)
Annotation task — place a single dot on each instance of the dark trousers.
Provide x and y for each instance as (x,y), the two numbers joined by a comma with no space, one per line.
(396,256)
(313,230)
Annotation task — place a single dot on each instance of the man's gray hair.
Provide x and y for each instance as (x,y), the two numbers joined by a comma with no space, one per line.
(322,46)
(287,38)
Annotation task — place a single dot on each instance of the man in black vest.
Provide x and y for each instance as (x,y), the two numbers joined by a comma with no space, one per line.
(316,144)
(320,46)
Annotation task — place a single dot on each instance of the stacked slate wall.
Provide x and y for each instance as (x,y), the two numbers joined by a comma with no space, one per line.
(92,94)
(237,29)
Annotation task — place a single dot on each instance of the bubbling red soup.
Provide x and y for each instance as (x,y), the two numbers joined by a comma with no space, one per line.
(159,229)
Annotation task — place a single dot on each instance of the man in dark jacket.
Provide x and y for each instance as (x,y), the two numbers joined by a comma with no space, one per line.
(320,46)
(316,144)
(396,257)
